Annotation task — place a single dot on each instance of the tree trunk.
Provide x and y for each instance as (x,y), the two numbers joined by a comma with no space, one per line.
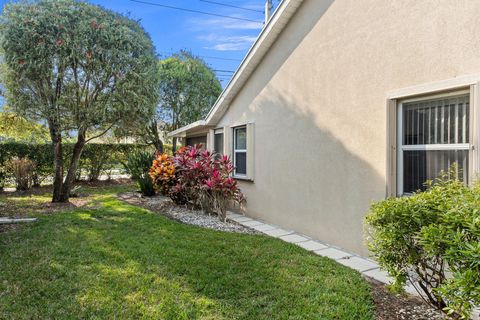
(57,162)
(152,130)
(70,179)
(158,145)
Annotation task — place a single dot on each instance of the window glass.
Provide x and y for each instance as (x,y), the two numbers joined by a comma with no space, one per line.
(218,143)
(420,166)
(241,138)
(439,121)
(434,136)
(241,163)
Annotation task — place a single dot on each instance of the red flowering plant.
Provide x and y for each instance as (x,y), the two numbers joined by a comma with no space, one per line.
(201,180)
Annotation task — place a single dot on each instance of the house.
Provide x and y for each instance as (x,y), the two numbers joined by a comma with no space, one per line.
(341,103)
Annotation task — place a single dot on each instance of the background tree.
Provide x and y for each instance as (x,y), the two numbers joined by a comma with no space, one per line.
(16,128)
(79,68)
(188,89)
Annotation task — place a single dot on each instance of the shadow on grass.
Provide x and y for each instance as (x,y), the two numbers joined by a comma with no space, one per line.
(123,261)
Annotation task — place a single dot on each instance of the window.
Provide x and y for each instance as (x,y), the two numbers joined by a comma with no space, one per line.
(218,141)
(240,150)
(433,134)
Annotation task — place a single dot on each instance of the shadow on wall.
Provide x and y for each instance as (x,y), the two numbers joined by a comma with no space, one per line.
(306,179)
(309,175)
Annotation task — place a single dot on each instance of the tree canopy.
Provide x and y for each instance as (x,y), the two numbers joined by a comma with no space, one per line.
(16,128)
(188,89)
(79,68)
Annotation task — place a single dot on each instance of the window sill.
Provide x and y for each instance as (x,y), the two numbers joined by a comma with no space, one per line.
(242,178)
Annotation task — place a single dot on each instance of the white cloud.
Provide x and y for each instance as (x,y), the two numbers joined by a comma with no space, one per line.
(224,23)
(225,34)
(228,43)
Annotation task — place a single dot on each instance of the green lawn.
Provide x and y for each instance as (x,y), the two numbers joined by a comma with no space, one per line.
(113,260)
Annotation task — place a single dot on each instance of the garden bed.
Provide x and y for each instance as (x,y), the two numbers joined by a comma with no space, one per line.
(166,207)
(389,306)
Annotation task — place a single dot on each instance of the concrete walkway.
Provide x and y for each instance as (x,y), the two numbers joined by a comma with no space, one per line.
(366,267)
(13,220)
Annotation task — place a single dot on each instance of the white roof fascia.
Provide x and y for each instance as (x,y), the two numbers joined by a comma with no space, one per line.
(181,132)
(268,35)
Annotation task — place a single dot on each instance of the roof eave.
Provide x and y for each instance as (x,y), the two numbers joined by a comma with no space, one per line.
(259,49)
(182,132)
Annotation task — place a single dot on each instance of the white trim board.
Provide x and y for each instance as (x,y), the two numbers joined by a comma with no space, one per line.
(436,86)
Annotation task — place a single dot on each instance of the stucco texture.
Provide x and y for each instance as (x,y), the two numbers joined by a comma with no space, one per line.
(318,101)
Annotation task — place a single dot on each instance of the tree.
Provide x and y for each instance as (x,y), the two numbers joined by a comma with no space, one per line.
(80,69)
(188,89)
(16,128)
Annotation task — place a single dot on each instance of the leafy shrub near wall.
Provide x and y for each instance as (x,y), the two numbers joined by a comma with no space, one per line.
(96,158)
(432,239)
(198,178)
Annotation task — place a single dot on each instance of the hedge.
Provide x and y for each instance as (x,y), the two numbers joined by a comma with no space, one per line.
(96,159)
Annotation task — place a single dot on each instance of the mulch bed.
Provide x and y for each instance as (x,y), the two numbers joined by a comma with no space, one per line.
(390,306)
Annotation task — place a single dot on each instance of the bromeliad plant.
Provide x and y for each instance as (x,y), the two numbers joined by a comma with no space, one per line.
(197,178)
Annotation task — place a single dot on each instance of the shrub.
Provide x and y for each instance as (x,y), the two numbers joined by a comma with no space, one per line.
(22,171)
(197,178)
(94,161)
(97,158)
(138,166)
(3,175)
(162,173)
(432,239)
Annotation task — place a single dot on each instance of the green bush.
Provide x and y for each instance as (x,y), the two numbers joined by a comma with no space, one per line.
(138,165)
(40,154)
(96,158)
(432,239)
(3,175)
(22,171)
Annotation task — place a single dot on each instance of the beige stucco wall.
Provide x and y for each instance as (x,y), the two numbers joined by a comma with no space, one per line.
(318,101)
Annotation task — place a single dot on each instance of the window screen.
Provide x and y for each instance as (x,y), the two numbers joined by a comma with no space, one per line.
(240,150)
(434,135)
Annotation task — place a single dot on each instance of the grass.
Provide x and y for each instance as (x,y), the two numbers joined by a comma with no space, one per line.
(112,260)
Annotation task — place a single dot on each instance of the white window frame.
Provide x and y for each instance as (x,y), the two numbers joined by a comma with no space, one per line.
(235,151)
(427,147)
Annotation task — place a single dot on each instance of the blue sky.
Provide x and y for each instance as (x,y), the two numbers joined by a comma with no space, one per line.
(207,36)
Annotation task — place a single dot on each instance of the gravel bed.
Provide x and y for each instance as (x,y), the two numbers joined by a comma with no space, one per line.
(166,207)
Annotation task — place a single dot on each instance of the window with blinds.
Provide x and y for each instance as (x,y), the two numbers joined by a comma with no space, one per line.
(433,135)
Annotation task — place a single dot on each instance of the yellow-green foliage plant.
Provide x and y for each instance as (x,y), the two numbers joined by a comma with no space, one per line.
(432,239)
